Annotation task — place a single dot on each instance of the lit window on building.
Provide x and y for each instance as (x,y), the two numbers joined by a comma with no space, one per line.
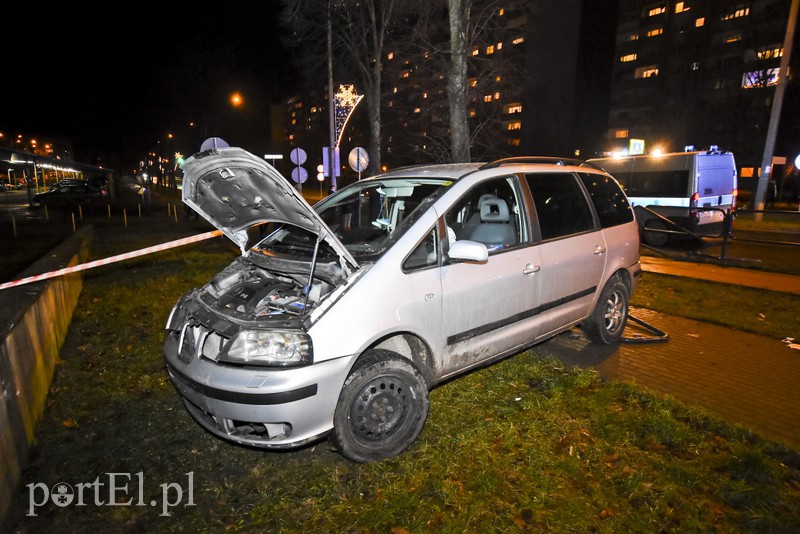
(394,89)
(425,94)
(498,78)
(518,40)
(759,78)
(747,172)
(738,12)
(501,11)
(770,53)
(405,74)
(733,38)
(655,31)
(417,110)
(490,50)
(700,22)
(472,113)
(487,98)
(695,65)
(513,142)
(621,134)
(291,137)
(649,71)
(627,58)
(390,56)
(499,46)
(516,107)
(294,121)
(497,95)
(632,37)
(514,125)
(473,82)
(660,10)
(680,7)
(475,51)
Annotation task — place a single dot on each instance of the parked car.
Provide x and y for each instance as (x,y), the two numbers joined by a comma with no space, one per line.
(70,193)
(341,319)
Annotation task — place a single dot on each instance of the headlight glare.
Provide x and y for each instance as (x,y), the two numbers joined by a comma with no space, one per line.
(280,348)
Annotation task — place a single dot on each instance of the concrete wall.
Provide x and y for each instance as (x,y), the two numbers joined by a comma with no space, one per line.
(34,319)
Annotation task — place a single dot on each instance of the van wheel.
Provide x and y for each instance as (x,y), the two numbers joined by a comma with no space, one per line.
(610,315)
(381,409)
(654,239)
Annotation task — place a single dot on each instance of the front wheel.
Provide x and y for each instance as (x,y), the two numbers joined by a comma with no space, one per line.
(381,409)
(608,319)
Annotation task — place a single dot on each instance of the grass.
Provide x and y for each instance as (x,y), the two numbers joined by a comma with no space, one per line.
(770,313)
(526,445)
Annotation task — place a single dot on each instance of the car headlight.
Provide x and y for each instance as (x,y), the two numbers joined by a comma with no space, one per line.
(280,348)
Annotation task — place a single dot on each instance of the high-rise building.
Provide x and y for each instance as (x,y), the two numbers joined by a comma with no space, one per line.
(697,72)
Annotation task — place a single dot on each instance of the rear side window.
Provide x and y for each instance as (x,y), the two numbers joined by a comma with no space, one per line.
(609,201)
(561,206)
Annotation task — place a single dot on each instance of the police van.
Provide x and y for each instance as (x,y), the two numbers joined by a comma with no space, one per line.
(693,189)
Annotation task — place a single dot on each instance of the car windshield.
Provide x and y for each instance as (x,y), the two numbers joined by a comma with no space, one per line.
(367,217)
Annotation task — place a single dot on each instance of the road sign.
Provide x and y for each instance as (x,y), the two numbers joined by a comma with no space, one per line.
(298,156)
(358,159)
(299,175)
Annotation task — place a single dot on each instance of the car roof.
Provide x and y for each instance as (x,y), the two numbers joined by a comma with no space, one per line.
(455,171)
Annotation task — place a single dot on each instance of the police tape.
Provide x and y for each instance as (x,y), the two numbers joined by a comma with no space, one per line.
(112,259)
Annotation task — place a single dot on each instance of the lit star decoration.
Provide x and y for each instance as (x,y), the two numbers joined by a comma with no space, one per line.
(345,101)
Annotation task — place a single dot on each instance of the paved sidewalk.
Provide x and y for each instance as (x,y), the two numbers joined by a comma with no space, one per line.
(747,379)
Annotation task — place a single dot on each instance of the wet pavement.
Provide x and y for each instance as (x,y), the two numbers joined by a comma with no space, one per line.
(747,379)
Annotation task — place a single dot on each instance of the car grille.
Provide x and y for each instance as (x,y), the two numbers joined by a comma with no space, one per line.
(197,340)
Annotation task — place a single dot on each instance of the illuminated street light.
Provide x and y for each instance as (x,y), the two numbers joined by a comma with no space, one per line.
(236,99)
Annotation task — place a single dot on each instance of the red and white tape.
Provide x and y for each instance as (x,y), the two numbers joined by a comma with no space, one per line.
(112,259)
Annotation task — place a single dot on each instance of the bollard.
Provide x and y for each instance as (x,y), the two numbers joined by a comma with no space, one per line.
(175,211)
(125,217)
(80,212)
(73,221)
(46,214)
(109,211)
(140,210)
(169,209)
(14,224)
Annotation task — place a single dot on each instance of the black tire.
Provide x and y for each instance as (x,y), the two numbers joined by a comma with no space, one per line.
(655,239)
(610,315)
(381,409)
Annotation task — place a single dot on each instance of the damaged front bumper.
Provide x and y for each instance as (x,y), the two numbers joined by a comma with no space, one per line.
(265,408)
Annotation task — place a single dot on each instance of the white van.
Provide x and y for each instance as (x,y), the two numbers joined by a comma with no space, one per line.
(672,185)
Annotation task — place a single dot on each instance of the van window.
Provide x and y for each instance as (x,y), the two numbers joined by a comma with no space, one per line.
(609,201)
(667,184)
(489,213)
(560,204)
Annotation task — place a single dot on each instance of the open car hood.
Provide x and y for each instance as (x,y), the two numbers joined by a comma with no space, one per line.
(235,190)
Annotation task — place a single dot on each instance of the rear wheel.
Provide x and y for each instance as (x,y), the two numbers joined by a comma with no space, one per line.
(381,409)
(610,315)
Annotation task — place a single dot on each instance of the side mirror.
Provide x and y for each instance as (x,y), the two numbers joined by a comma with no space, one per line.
(468,251)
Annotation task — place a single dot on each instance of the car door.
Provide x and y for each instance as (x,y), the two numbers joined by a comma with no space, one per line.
(488,308)
(572,249)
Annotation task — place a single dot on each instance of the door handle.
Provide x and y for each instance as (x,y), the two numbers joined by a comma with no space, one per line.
(531,268)
(599,249)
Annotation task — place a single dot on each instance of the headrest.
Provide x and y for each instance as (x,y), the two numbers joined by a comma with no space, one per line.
(484,197)
(494,210)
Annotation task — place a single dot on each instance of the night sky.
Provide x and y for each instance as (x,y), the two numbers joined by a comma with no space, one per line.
(116,85)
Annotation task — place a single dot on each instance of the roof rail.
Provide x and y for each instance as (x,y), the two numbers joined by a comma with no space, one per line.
(537,159)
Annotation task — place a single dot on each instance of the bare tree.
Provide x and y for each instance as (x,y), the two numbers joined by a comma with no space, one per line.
(458,12)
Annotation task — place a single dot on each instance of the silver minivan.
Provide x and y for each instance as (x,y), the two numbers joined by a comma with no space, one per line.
(340,318)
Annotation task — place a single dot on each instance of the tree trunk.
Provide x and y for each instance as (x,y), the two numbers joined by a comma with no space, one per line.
(457,80)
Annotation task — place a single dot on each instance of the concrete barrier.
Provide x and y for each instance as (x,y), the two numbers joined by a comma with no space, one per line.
(34,320)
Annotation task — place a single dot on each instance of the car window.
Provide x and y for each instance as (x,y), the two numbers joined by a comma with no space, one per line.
(425,254)
(489,213)
(609,201)
(561,205)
